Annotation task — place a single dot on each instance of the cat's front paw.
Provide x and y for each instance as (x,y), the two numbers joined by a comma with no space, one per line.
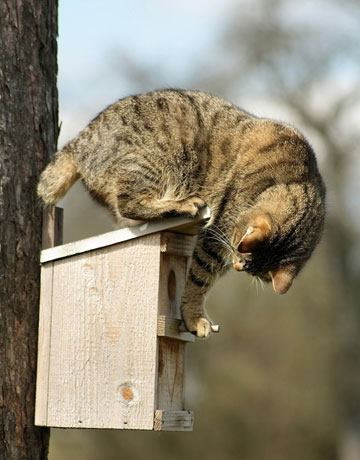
(192,205)
(197,201)
(199,326)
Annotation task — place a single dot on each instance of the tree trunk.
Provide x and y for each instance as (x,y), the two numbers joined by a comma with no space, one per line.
(28,135)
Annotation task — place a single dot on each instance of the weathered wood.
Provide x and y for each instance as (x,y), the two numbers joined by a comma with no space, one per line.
(52,234)
(176,251)
(178,244)
(171,374)
(111,348)
(170,327)
(52,229)
(124,234)
(173,421)
(28,134)
(44,344)
(104,352)
(172,284)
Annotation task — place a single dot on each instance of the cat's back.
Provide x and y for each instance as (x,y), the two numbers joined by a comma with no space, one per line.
(164,124)
(163,109)
(158,118)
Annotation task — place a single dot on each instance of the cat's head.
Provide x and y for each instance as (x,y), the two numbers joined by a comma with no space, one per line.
(275,238)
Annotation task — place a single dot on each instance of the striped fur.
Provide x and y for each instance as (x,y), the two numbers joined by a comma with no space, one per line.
(170,151)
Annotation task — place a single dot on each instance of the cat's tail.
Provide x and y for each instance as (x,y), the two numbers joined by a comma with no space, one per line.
(58,177)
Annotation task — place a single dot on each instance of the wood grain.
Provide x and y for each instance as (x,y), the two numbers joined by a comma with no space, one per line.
(52,233)
(171,328)
(125,234)
(52,229)
(173,421)
(103,341)
(178,244)
(170,384)
(43,356)
(111,350)
(28,136)
(172,284)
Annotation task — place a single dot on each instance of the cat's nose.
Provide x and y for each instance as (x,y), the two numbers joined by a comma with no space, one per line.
(239,266)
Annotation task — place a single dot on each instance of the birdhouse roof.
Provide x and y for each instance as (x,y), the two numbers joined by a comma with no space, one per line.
(177,224)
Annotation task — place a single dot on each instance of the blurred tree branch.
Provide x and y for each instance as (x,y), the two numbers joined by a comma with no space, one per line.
(305,58)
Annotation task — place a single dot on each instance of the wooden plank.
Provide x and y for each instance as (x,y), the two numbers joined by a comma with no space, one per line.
(52,228)
(173,420)
(43,358)
(124,234)
(172,284)
(178,244)
(52,233)
(171,374)
(171,328)
(103,341)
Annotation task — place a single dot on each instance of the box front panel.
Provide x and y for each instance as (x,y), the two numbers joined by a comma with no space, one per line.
(103,337)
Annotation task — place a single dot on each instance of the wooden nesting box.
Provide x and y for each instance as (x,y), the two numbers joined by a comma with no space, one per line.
(110,351)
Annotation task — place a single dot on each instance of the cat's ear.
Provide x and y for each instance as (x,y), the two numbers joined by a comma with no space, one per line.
(282,278)
(259,230)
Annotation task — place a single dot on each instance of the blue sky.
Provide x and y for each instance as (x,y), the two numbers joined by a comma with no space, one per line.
(152,30)
(92,32)
(177,36)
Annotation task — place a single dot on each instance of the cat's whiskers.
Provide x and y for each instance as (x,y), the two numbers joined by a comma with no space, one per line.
(222,239)
(254,281)
(260,282)
(216,230)
(228,263)
(222,242)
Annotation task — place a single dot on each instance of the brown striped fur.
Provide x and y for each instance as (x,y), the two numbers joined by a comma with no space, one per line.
(169,152)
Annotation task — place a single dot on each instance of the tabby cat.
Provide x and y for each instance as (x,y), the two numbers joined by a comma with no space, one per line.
(169,152)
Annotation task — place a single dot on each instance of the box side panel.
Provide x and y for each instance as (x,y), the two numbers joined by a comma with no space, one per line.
(103,343)
(43,358)
(172,284)
(170,384)
(171,373)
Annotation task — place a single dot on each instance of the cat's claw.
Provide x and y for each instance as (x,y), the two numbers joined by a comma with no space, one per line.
(201,327)
(198,202)
(192,205)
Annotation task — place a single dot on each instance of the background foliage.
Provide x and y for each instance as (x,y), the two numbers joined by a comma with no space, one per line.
(282,380)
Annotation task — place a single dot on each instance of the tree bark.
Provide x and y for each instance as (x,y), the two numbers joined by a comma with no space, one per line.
(28,135)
